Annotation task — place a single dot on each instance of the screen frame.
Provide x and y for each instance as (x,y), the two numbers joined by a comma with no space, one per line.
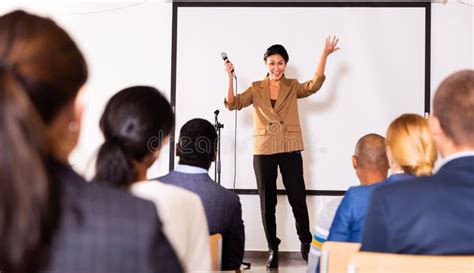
(174,55)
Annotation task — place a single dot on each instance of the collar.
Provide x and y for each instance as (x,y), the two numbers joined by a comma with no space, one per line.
(265,89)
(399,177)
(190,169)
(451,158)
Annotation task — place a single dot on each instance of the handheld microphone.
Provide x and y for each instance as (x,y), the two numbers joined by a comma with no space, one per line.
(216,112)
(226,59)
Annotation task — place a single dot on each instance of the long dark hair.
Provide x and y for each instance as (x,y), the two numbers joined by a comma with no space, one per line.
(135,122)
(41,71)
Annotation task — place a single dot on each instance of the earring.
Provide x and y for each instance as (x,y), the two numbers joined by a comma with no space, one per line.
(73,126)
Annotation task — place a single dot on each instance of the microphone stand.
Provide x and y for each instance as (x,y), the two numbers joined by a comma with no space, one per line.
(218,126)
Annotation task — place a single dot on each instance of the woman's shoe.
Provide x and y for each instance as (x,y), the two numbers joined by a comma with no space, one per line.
(272,261)
(305,250)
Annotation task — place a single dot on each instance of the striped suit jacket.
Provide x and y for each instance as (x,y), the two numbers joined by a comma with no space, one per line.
(105,230)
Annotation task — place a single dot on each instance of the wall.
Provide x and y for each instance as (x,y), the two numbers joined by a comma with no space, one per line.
(129,43)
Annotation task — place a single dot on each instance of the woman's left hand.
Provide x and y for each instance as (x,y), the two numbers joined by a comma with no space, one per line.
(331,45)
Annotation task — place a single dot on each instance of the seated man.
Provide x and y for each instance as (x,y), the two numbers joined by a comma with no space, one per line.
(371,166)
(370,163)
(433,215)
(196,150)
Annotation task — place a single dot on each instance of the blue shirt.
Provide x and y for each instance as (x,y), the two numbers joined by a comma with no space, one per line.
(350,216)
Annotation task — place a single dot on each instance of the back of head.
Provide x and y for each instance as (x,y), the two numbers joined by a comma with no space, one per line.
(453,105)
(371,156)
(197,143)
(135,122)
(410,142)
(41,71)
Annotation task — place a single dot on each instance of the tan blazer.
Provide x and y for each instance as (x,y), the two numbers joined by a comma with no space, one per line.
(276,130)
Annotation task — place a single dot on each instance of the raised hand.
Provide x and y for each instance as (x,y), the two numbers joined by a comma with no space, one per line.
(330,45)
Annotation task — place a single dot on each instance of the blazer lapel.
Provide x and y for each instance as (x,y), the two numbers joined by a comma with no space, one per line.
(265,93)
(283,93)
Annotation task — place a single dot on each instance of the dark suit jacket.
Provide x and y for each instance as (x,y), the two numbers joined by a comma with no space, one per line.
(429,215)
(223,213)
(105,230)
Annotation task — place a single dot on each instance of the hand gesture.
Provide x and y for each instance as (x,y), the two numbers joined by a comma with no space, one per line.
(330,45)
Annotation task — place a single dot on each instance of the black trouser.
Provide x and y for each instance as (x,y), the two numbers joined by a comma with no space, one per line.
(291,169)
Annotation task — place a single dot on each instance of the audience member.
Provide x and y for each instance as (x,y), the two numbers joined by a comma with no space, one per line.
(433,215)
(136,123)
(197,150)
(51,219)
(410,151)
(371,166)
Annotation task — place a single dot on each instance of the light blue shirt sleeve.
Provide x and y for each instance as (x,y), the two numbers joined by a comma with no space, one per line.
(341,228)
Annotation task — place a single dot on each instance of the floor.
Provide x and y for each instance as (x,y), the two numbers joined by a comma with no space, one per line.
(292,263)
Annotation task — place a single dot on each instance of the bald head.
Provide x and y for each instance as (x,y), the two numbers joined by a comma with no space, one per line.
(453,105)
(370,159)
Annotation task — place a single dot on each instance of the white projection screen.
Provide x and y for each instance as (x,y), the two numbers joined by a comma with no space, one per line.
(378,74)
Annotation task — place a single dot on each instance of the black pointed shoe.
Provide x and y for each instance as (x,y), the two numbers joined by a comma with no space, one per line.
(305,250)
(272,261)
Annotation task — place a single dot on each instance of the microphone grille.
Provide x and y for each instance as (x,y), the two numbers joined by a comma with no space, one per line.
(224,55)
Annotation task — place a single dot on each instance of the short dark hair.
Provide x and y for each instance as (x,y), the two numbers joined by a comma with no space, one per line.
(370,151)
(197,143)
(276,49)
(453,105)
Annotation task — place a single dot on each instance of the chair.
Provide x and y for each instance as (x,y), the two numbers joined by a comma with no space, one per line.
(370,262)
(215,242)
(336,255)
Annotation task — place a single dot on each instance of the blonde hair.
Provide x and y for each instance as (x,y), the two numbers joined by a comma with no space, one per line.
(411,144)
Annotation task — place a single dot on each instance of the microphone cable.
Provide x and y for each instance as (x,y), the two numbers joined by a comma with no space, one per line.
(246,264)
(235,133)
(225,58)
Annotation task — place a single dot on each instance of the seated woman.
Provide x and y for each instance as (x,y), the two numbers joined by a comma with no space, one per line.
(411,152)
(136,124)
(51,219)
